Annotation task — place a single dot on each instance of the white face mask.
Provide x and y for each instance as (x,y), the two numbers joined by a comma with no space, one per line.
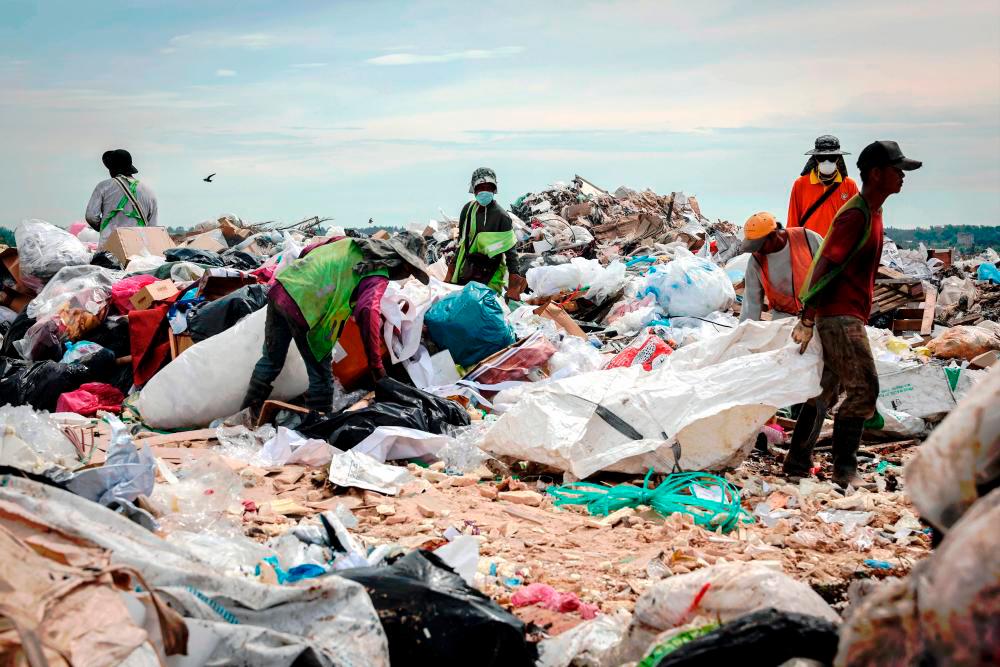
(827,168)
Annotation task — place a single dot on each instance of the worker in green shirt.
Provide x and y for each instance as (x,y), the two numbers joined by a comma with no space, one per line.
(486,242)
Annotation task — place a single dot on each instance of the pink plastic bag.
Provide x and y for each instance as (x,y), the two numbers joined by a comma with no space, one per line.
(650,351)
(75,228)
(545,596)
(91,397)
(123,291)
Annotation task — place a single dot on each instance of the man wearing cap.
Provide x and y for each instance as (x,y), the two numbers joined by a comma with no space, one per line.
(777,267)
(822,189)
(120,201)
(486,241)
(312,298)
(837,298)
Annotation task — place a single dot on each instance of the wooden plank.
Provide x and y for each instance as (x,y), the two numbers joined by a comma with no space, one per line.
(907,325)
(928,320)
(175,438)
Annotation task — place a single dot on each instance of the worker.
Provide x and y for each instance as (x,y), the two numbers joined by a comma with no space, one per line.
(837,298)
(822,189)
(120,201)
(777,267)
(486,242)
(312,298)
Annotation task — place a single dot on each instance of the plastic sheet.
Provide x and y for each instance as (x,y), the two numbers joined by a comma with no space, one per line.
(214,375)
(690,286)
(289,447)
(354,469)
(32,442)
(964,342)
(431,616)
(470,324)
(392,443)
(87,287)
(44,249)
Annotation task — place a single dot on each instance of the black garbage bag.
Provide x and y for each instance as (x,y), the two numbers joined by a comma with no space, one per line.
(213,317)
(432,617)
(765,637)
(396,404)
(113,334)
(240,260)
(203,257)
(16,332)
(107,260)
(40,383)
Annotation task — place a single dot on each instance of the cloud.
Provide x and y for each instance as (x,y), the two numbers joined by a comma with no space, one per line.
(225,72)
(251,41)
(308,65)
(469,54)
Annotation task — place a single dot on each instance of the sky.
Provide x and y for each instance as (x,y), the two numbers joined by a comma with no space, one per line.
(378,109)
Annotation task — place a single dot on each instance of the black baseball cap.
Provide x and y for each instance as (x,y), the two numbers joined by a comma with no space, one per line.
(885,154)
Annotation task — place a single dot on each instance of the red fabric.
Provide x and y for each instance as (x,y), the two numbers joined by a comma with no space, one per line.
(368,316)
(123,291)
(150,345)
(91,397)
(851,292)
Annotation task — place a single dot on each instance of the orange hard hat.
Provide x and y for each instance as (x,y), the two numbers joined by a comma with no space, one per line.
(759,225)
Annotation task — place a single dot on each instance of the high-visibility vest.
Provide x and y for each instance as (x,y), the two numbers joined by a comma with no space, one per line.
(801,258)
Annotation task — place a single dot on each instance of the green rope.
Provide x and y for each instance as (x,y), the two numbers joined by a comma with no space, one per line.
(675,494)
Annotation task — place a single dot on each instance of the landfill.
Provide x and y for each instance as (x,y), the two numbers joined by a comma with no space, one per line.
(589,475)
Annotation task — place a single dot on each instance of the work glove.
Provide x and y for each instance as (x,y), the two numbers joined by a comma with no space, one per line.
(515,287)
(802,334)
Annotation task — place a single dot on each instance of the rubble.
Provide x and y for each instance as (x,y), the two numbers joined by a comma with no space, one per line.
(532,478)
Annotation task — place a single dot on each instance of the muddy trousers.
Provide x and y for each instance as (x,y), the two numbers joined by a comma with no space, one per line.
(848,367)
(279,332)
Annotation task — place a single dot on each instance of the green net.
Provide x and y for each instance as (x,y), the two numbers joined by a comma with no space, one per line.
(711,500)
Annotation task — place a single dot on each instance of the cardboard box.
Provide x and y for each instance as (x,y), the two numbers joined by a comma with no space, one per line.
(153,292)
(985,360)
(212,241)
(382,235)
(215,287)
(127,241)
(233,234)
(178,342)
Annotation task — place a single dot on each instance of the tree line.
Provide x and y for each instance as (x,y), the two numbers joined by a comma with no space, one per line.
(947,236)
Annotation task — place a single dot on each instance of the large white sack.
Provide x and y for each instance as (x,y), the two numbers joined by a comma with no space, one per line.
(208,380)
(712,396)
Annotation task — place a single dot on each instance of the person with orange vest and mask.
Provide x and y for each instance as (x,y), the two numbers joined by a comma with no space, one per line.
(778,266)
(822,189)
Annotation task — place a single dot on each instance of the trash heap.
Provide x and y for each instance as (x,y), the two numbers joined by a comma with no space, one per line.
(590,475)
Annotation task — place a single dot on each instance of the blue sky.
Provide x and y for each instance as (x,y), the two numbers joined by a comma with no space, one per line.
(383,109)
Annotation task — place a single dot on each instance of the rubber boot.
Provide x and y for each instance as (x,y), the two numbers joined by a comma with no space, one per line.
(257,393)
(798,461)
(319,402)
(846,440)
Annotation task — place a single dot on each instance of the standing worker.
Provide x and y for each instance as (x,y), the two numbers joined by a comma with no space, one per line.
(313,297)
(486,241)
(822,189)
(120,201)
(778,266)
(838,298)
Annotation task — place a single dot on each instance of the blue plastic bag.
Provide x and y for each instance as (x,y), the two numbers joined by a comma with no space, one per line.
(989,272)
(470,324)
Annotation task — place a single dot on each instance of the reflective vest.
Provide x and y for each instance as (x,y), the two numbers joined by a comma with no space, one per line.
(471,241)
(800,258)
(135,213)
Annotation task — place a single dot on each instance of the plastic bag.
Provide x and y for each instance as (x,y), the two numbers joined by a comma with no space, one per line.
(470,324)
(648,351)
(600,282)
(432,617)
(519,362)
(126,474)
(144,263)
(43,249)
(77,351)
(354,469)
(214,317)
(106,260)
(204,257)
(86,287)
(988,272)
(690,286)
(43,340)
(964,342)
(90,398)
(574,356)
(185,272)
(209,380)
(32,442)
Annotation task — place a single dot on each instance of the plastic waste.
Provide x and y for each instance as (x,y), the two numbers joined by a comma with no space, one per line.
(519,362)
(690,286)
(144,263)
(462,453)
(547,597)
(988,272)
(194,255)
(461,554)
(43,340)
(91,398)
(32,442)
(289,447)
(595,281)
(647,350)
(964,342)
(198,499)
(43,249)
(215,374)
(78,350)
(39,384)
(847,518)
(589,643)
(470,324)
(574,356)
(392,443)
(185,272)
(106,260)
(87,287)
(431,616)
(354,469)
(214,317)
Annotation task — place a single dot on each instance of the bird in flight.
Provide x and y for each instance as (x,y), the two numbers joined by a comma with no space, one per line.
(208,179)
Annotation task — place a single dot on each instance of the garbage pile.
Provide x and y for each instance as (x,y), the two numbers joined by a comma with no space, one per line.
(588,475)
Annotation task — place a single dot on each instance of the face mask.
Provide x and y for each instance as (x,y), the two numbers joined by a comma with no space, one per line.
(827,168)
(484,198)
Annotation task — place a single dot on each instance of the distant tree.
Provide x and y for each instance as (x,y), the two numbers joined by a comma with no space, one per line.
(7,237)
(946,236)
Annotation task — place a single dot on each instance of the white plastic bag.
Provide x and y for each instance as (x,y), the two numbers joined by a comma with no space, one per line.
(210,379)
(86,286)
(690,286)
(712,397)
(600,281)
(144,262)
(574,356)
(43,249)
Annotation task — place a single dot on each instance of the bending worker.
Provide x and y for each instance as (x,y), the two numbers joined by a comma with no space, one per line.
(837,298)
(311,300)
(822,189)
(486,241)
(778,266)
(120,201)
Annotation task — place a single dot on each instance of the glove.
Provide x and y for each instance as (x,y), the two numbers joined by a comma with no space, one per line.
(516,286)
(802,334)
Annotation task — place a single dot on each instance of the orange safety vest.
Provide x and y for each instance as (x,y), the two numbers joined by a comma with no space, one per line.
(801,259)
